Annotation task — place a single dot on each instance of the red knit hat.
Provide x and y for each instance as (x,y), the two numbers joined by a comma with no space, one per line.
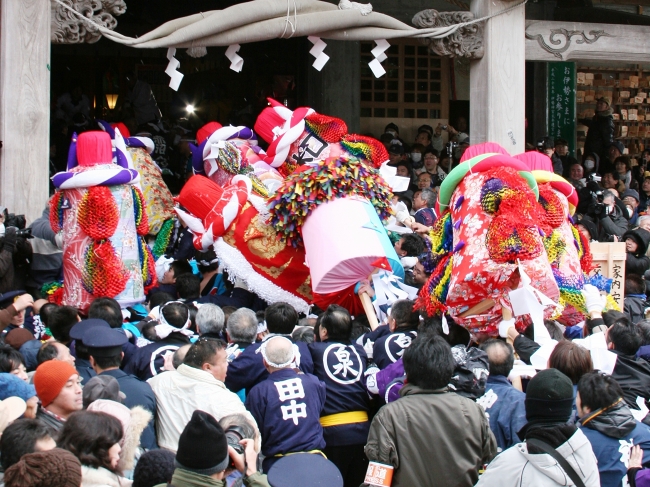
(49,379)
(206,131)
(94,148)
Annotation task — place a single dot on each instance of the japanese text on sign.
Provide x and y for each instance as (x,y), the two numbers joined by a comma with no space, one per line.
(562,102)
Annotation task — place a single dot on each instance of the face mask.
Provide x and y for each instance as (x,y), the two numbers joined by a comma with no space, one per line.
(589,164)
(392,132)
(2,229)
(416,156)
(630,212)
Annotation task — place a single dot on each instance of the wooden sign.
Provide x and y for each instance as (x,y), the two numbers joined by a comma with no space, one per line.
(610,261)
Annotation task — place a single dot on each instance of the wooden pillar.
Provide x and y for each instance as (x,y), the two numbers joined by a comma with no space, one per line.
(24,105)
(497,81)
(335,90)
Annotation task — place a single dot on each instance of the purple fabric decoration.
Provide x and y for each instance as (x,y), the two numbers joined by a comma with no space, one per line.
(72,153)
(125,176)
(121,159)
(133,142)
(459,246)
(106,127)
(197,158)
(459,202)
(457,225)
(643,478)
(390,380)
(61,177)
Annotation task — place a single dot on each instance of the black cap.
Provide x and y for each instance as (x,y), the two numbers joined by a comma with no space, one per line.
(549,397)
(202,446)
(104,341)
(619,145)
(304,470)
(396,149)
(77,331)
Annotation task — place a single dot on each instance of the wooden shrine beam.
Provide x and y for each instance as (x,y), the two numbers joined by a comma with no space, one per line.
(567,41)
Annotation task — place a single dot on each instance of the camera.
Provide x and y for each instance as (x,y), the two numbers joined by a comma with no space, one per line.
(234,434)
(451,148)
(444,127)
(13,220)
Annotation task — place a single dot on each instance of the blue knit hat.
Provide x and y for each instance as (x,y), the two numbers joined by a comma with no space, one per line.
(11,385)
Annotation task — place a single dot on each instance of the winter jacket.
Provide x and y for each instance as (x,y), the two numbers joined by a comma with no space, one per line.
(101,477)
(505,409)
(612,433)
(431,434)
(613,224)
(634,307)
(516,467)
(47,257)
(185,478)
(600,134)
(179,393)
(633,375)
(637,262)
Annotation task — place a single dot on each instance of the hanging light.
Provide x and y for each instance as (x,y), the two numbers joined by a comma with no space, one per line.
(111,99)
(189,109)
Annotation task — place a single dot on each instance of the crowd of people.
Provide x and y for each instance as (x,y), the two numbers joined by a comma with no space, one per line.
(207,384)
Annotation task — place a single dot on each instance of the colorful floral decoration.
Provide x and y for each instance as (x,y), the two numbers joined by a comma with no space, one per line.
(56,211)
(148,266)
(139,205)
(53,291)
(98,214)
(367,148)
(512,233)
(163,238)
(437,261)
(330,129)
(103,274)
(304,190)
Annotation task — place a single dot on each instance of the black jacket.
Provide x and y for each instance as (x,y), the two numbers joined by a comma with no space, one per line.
(633,375)
(613,224)
(600,134)
(637,262)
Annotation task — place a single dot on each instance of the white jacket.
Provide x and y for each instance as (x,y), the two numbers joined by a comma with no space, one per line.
(515,467)
(101,477)
(179,393)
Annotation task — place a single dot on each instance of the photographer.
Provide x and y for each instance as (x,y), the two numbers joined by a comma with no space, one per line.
(238,427)
(611,221)
(204,455)
(15,252)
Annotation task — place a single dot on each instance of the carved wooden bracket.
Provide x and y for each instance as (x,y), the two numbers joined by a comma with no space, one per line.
(559,40)
(466,41)
(67,28)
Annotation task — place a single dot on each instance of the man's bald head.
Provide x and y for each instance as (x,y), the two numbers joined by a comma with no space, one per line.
(179,355)
(501,357)
(278,352)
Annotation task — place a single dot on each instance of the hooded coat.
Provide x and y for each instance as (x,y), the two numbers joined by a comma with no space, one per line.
(516,467)
(637,262)
(612,434)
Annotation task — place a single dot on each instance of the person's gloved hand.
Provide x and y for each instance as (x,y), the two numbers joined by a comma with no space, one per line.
(504,326)
(594,301)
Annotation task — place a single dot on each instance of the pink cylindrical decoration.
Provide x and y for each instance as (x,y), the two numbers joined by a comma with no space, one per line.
(94,148)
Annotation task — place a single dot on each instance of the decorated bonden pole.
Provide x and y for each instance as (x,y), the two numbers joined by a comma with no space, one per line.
(102,217)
